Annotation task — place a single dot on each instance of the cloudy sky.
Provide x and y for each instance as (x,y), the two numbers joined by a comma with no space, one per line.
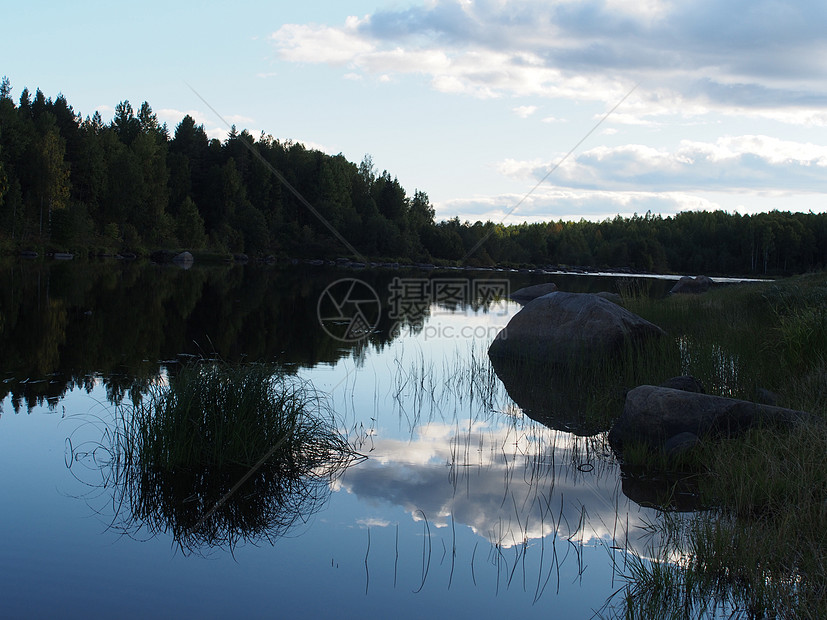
(509,110)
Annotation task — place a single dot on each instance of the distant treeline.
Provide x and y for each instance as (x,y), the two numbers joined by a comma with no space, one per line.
(74,184)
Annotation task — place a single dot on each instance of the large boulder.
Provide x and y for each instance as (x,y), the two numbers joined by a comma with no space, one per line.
(690,285)
(670,419)
(530,293)
(570,328)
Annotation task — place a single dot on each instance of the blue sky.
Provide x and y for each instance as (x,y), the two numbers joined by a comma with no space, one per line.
(474,102)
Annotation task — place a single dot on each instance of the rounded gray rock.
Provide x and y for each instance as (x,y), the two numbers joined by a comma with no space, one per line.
(567,328)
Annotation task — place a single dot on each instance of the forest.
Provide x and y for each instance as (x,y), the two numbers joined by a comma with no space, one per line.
(82,185)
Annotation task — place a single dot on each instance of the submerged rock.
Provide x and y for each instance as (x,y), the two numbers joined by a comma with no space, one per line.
(669,491)
(680,443)
(663,416)
(530,293)
(570,328)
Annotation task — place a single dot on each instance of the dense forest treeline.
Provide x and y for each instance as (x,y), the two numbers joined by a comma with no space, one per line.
(82,185)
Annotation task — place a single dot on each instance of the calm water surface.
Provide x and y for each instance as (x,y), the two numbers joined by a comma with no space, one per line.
(464,506)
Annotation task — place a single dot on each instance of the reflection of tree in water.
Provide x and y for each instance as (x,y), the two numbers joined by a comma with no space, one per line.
(62,325)
(222,455)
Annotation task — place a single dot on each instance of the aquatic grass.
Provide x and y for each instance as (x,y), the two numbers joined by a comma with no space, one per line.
(464,380)
(665,586)
(742,337)
(224,454)
(722,569)
(772,525)
(760,551)
(754,542)
(802,336)
(716,336)
(808,392)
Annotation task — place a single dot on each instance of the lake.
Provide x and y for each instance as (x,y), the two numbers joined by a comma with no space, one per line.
(462,506)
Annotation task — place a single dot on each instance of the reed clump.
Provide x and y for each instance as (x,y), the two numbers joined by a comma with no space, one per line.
(225,453)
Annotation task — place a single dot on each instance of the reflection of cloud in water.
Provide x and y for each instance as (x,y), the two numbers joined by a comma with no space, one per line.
(510,484)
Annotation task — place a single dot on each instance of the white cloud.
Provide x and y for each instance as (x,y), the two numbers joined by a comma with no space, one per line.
(373,522)
(703,65)
(172,117)
(238,119)
(524,111)
(731,163)
(312,43)
(758,58)
(213,127)
(216,133)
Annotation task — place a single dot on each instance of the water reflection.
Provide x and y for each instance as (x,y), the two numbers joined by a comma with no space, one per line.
(468,481)
(62,325)
(216,456)
(517,485)
(670,491)
(562,398)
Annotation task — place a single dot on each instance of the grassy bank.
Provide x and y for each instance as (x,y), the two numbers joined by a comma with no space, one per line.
(760,552)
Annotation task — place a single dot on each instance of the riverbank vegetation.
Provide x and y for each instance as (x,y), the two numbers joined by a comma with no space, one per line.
(83,185)
(759,548)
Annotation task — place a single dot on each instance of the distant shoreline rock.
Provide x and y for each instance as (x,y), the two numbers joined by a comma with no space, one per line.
(688,285)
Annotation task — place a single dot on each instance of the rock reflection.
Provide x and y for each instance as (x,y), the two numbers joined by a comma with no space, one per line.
(572,399)
(667,491)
